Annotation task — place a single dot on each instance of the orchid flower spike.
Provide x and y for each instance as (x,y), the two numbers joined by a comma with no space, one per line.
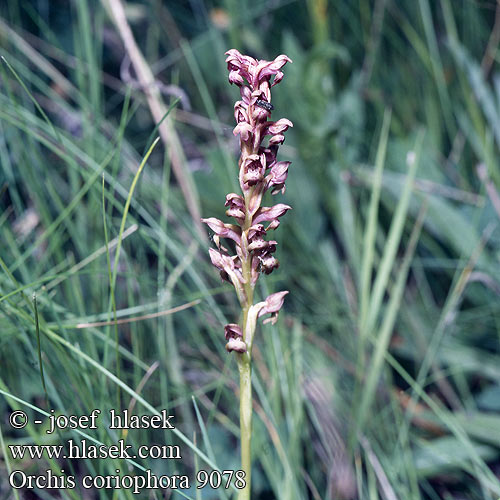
(259,171)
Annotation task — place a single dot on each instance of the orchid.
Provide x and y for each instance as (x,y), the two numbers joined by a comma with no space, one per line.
(259,172)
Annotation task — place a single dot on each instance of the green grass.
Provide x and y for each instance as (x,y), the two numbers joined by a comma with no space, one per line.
(381,379)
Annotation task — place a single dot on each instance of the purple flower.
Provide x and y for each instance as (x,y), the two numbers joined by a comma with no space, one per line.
(276,140)
(253,71)
(225,230)
(268,263)
(261,245)
(272,305)
(237,345)
(274,224)
(259,171)
(270,213)
(277,177)
(234,336)
(244,129)
(236,206)
(280,126)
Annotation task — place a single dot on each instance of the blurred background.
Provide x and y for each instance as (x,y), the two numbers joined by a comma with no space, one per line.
(381,380)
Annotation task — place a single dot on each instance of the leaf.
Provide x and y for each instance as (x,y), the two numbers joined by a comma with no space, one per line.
(446,454)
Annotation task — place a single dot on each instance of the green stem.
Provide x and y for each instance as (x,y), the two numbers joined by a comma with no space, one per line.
(245,359)
(245,368)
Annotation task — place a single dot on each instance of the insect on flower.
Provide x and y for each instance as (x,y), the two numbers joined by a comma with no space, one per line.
(264,104)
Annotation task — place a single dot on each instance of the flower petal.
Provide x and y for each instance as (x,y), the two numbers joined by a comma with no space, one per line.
(218,259)
(278,77)
(240,112)
(277,177)
(229,270)
(272,67)
(254,168)
(236,206)
(263,245)
(270,154)
(256,231)
(282,125)
(269,263)
(236,200)
(246,94)
(270,213)
(272,305)
(232,330)
(235,77)
(236,345)
(279,172)
(276,139)
(245,130)
(225,230)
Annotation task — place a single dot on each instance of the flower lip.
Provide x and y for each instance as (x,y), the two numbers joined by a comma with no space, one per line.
(234,336)
(269,263)
(260,244)
(236,345)
(252,177)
